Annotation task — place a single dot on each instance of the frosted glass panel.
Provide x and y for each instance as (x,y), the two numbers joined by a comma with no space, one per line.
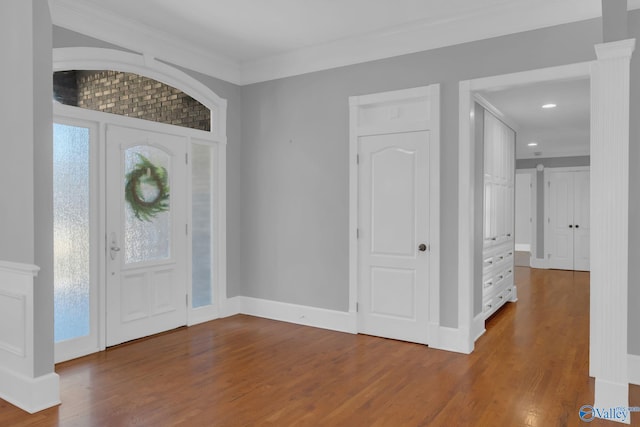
(71,231)
(202,229)
(147,204)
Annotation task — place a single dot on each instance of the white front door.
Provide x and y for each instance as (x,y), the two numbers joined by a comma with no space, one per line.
(146,233)
(394,235)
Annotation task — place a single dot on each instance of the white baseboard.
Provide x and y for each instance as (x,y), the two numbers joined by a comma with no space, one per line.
(634,369)
(443,338)
(202,315)
(30,394)
(477,327)
(334,320)
(539,263)
(612,395)
(231,307)
(450,339)
(523,247)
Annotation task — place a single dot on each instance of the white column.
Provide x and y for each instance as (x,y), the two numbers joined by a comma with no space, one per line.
(610,222)
(26,231)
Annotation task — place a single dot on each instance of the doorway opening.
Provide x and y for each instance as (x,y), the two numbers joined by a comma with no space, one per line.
(488,90)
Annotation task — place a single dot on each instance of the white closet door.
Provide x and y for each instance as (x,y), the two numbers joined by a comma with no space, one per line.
(581,224)
(394,212)
(560,220)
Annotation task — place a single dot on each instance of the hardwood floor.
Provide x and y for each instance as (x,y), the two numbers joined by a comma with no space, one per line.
(529,369)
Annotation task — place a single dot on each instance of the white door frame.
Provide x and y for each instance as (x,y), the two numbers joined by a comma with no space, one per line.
(432,120)
(533,204)
(469,324)
(547,195)
(82,58)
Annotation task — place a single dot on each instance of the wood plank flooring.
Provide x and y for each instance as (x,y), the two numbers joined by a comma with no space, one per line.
(529,369)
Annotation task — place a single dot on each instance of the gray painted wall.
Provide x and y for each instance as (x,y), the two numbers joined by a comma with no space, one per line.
(65,38)
(552,162)
(295,150)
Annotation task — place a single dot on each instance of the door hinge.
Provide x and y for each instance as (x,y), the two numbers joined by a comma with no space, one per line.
(186,229)
(186,158)
(357,159)
(186,300)
(549,184)
(357,307)
(357,233)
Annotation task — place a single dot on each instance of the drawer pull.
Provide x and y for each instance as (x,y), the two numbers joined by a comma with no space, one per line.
(487,284)
(500,277)
(500,297)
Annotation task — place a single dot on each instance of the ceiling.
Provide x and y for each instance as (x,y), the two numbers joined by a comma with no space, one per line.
(245,41)
(560,131)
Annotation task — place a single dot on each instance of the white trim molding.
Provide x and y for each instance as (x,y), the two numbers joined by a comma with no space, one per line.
(634,369)
(466,182)
(610,86)
(476,23)
(30,394)
(540,263)
(94,21)
(323,318)
(18,385)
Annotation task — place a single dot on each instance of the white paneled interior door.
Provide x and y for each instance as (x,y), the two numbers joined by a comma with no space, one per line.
(394,197)
(394,213)
(560,220)
(146,234)
(581,221)
(568,219)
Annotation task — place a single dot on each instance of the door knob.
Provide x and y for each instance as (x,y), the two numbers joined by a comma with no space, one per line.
(571,226)
(422,247)
(113,247)
(577,226)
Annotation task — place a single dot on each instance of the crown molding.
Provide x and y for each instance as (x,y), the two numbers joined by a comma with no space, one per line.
(482,23)
(96,22)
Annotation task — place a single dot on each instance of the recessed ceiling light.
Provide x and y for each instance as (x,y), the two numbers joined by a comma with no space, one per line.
(532,144)
(549,106)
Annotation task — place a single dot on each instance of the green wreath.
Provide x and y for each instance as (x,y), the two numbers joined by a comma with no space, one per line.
(148,173)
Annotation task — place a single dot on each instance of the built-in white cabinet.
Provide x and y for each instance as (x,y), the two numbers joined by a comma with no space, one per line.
(498,229)
(568,224)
